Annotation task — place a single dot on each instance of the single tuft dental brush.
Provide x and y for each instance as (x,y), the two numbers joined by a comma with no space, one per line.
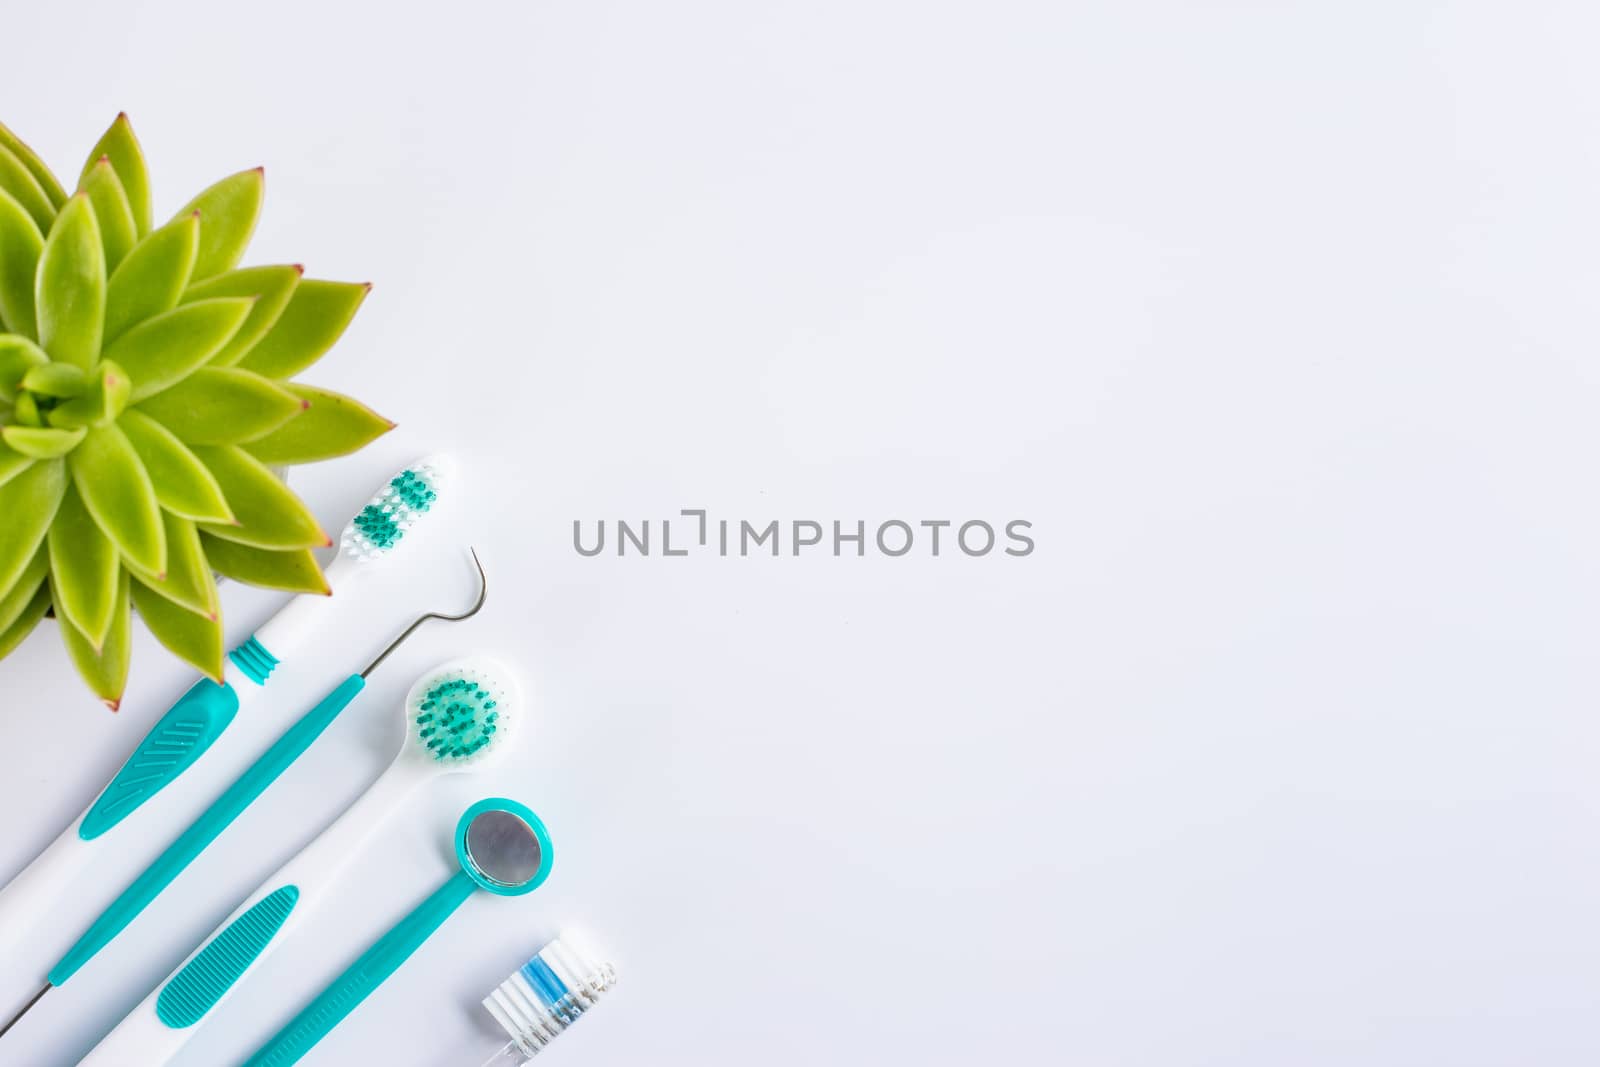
(206,719)
(544,996)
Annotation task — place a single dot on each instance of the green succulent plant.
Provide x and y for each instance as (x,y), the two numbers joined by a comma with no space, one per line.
(146,396)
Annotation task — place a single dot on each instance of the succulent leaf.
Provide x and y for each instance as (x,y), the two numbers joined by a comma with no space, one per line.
(18,356)
(223,406)
(270,516)
(83,566)
(153,276)
(21,241)
(333,425)
(270,287)
(55,379)
(16,179)
(39,442)
(121,147)
(70,290)
(104,668)
(25,411)
(102,400)
(164,350)
(16,598)
(316,317)
(294,570)
(28,501)
(193,638)
(111,211)
(23,625)
(12,463)
(30,159)
(117,490)
(183,484)
(228,213)
(189,581)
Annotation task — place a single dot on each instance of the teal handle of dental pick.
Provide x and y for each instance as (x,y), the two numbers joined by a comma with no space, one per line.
(204,830)
(366,974)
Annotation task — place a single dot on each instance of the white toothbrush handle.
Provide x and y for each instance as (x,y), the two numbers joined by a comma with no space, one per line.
(137,805)
(37,889)
(133,808)
(157,1030)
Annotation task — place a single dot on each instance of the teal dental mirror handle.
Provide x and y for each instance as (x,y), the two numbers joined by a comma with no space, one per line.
(502,847)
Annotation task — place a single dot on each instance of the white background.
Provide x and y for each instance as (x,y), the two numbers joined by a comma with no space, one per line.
(1278,320)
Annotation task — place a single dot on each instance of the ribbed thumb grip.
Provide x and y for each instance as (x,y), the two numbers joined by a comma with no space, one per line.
(204,980)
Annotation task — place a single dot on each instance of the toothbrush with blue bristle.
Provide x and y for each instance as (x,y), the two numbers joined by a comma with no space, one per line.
(205,721)
(459,717)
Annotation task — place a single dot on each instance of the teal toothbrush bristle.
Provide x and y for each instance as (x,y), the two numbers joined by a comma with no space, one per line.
(380,525)
(459,716)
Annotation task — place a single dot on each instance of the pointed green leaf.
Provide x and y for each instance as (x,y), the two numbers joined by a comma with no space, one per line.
(295,570)
(111,211)
(101,402)
(41,443)
(164,350)
(121,147)
(316,316)
(28,501)
(16,179)
(55,379)
(25,412)
(23,625)
(228,212)
(83,566)
(16,599)
(105,669)
(269,515)
(193,638)
(334,425)
(12,463)
(21,241)
(30,159)
(117,491)
(189,581)
(69,292)
(271,287)
(183,484)
(153,276)
(18,356)
(223,406)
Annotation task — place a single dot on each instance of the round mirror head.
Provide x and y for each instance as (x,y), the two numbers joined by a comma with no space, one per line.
(503,847)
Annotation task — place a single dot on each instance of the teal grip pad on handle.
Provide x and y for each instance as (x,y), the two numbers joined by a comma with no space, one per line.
(184,733)
(185,1000)
(204,830)
(365,975)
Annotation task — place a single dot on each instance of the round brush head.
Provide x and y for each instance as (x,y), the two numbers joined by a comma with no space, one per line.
(394,509)
(461,713)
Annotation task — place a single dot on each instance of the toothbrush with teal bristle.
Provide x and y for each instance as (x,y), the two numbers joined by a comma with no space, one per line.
(459,717)
(206,721)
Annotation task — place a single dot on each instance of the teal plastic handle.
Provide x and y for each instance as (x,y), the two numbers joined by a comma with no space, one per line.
(206,828)
(173,744)
(365,975)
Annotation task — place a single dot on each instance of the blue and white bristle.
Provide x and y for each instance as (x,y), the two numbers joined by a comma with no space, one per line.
(546,995)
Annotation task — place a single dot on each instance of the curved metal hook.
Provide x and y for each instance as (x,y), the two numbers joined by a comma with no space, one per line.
(483,594)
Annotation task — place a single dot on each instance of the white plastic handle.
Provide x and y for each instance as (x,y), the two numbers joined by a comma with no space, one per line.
(144,1039)
(36,892)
